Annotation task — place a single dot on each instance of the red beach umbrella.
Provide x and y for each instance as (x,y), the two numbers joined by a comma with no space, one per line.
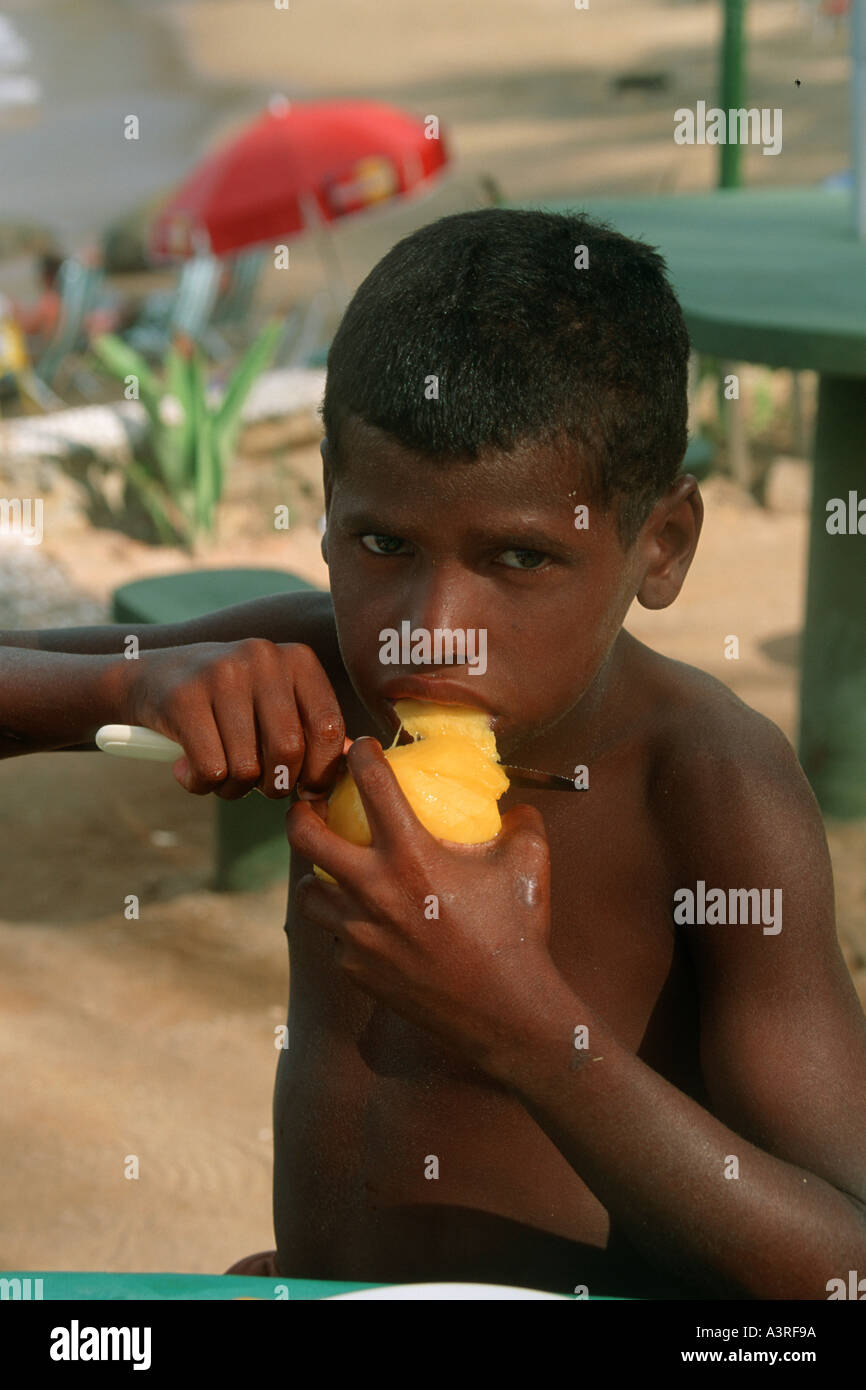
(299,164)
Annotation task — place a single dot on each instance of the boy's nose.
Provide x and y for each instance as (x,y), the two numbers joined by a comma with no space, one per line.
(440,601)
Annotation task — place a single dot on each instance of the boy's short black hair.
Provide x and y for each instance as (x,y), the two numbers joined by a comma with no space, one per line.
(525,346)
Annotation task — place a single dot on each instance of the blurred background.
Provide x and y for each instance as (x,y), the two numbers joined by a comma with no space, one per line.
(137,142)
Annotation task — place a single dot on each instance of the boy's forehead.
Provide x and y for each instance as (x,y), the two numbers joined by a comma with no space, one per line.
(548,471)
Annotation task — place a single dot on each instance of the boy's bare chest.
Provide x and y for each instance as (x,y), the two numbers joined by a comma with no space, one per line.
(612,938)
(363,1095)
(612,934)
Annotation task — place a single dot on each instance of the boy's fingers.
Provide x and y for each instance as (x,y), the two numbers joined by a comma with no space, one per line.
(308,835)
(523,819)
(204,765)
(318,802)
(282,742)
(235,720)
(388,811)
(324,730)
(326,905)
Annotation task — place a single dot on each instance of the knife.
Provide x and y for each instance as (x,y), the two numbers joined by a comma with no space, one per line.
(132,741)
(532,777)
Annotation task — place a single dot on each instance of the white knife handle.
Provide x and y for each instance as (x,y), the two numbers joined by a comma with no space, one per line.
(131,741)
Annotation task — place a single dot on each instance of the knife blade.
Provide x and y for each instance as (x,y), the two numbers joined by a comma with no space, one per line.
(533,777)
(126,741)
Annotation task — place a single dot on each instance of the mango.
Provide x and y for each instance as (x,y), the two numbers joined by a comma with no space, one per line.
(450,775)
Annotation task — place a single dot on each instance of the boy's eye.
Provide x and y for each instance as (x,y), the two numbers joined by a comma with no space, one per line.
(523,559)
(382,545)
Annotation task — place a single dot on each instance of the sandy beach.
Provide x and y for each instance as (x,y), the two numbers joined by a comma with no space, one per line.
(155,1037)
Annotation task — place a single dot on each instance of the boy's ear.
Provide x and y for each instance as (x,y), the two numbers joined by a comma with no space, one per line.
(669,540)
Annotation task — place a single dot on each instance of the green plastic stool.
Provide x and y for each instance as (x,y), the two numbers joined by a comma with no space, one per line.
(251,847)
(699,457)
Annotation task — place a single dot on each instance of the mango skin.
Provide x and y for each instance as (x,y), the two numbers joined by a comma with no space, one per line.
(450,776)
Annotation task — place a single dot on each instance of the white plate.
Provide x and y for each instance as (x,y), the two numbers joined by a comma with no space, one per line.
(426,1292)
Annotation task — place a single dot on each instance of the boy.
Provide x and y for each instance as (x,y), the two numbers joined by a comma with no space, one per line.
(566,1078)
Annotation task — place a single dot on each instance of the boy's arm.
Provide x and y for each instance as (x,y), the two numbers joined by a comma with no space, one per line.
(53,701)
(58,686)
(294,617)
(765,1197)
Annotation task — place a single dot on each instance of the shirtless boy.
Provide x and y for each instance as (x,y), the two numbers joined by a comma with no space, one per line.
(617,1098)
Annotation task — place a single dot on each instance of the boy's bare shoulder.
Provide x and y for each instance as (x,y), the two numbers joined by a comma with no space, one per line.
(717,766)
(699,717)
(309,618)
(311,621)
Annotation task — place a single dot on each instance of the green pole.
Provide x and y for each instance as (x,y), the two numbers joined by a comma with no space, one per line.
(833,679)
(731,85)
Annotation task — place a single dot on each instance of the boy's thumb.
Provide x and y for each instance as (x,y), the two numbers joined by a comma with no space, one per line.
(181,772)
(524,820)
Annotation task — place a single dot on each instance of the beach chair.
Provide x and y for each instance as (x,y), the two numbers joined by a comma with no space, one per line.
(305,339)
(234,307)
(80,288)
(700,452)
(699,457)
(251,847)
(18,381)
(187,310)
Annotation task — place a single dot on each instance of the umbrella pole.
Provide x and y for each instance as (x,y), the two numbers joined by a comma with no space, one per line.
(327,251)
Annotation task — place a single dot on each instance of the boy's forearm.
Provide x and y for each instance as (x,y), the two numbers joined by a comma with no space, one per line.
(52,700)
(657,1161)
(281,617)
(105,640)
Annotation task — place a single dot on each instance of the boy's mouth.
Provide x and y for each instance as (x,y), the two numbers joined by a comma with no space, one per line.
(435,689)
(428,688)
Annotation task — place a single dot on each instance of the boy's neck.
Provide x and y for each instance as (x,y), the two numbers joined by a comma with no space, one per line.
(590,729)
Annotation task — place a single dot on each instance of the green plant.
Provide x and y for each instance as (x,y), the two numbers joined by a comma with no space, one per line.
(179,470)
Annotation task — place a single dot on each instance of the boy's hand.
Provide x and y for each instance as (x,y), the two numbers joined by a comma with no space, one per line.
(241,711)
(453,937)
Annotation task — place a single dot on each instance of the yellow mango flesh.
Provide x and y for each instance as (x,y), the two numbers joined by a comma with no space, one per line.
(449,774)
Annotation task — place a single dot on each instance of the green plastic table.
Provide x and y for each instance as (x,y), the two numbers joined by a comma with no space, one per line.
(86,1286)
(777,277)
(96,1285)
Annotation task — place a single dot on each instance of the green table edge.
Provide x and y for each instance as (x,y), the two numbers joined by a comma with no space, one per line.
(743,335)
(98,1286)
(132,602)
